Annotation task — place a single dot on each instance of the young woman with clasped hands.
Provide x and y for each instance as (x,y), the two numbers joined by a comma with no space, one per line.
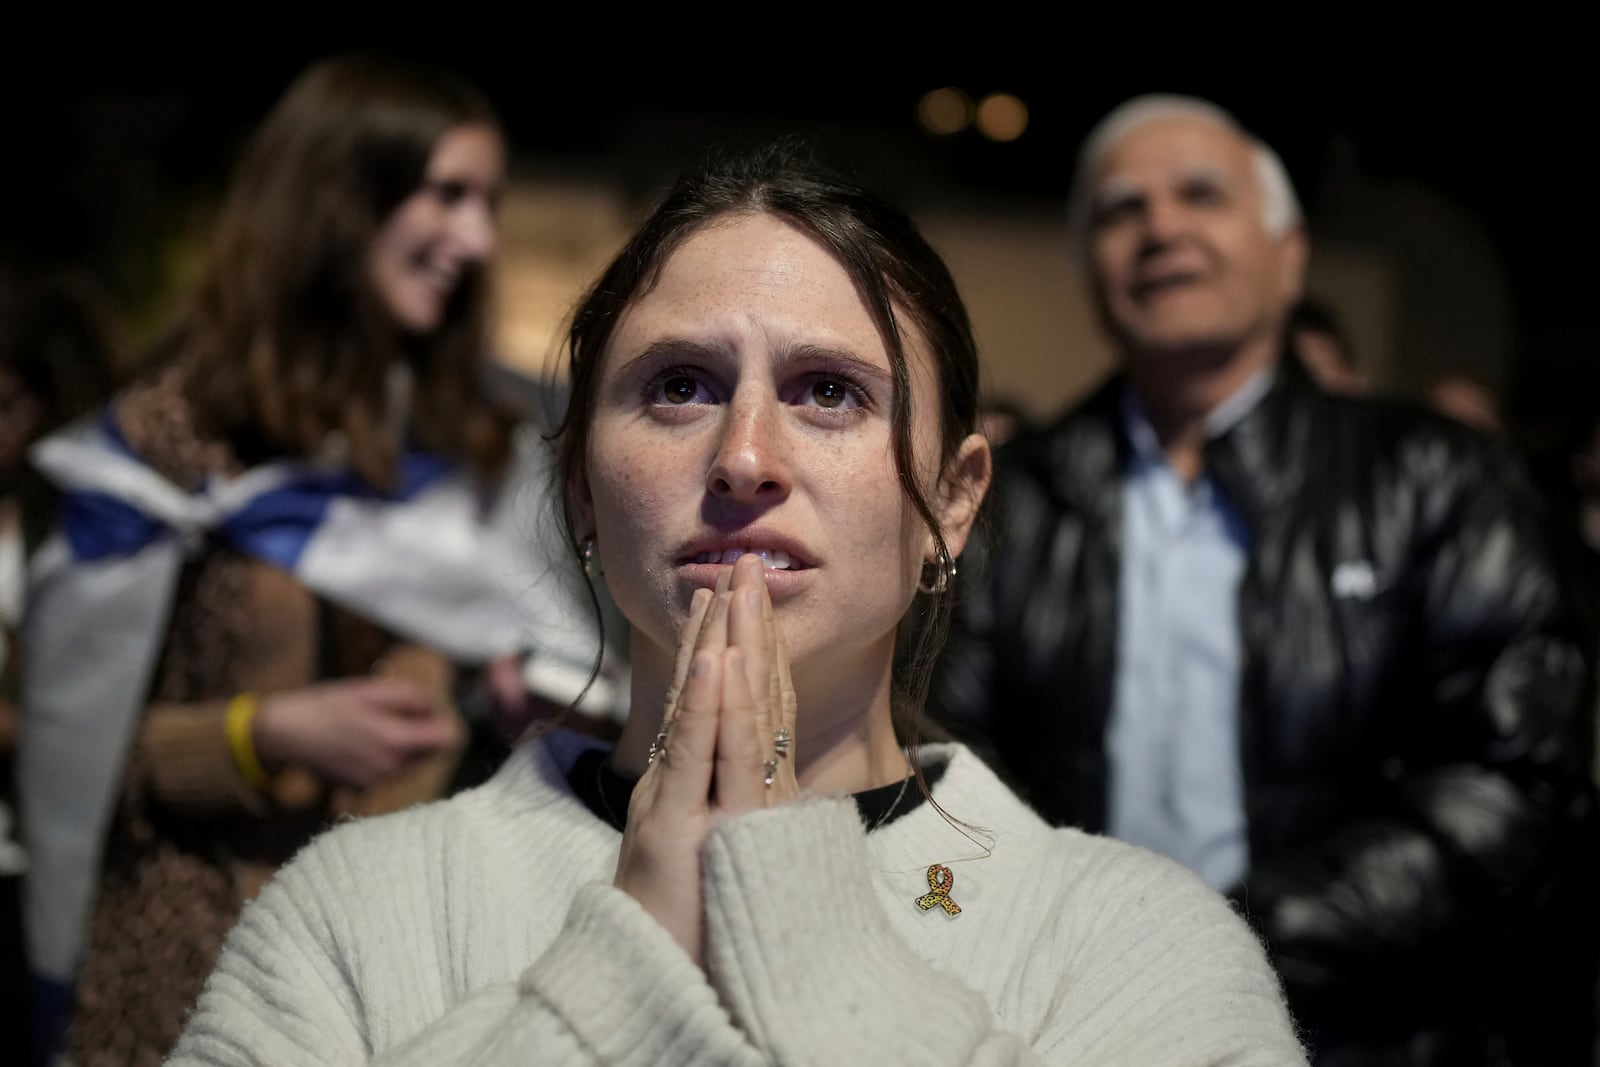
(770,461)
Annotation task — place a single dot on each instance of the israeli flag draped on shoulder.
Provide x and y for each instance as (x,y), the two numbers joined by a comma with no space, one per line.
(434,562)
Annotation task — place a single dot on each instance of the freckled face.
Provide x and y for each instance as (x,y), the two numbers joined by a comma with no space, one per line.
(744,405)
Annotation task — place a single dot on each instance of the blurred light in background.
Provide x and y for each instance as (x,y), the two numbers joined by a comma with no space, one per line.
(943,112)
(1002,117)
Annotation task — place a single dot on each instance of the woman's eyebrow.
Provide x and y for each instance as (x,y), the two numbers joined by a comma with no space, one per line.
(683,348)
(811,354)
(673,348)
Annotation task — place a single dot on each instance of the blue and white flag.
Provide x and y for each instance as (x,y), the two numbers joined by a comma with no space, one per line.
(433,562)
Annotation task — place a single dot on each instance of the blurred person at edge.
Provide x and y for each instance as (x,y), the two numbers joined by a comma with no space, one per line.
(59,350)
(290,555)
(58,345)
(1469,399)
(1319,339)
(1316,646)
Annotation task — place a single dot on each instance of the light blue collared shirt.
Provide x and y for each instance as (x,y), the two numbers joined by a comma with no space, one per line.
(1173,742)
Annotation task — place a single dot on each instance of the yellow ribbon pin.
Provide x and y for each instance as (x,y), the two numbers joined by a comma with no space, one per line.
(940,882)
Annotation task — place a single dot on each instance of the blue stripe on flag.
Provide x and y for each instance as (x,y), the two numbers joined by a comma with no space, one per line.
(97,525)
(275,526)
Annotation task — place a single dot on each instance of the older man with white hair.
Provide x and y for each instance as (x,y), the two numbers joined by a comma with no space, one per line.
(1314,647)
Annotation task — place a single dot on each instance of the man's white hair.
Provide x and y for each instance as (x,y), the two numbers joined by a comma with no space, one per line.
(1280,208)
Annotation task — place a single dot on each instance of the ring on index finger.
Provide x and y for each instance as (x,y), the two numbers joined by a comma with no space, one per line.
(782,741)
(658,747)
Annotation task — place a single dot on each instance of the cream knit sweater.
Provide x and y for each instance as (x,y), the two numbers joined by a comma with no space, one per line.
(485,930)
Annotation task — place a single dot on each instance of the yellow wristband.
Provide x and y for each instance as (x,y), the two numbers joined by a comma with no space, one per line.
(241,713)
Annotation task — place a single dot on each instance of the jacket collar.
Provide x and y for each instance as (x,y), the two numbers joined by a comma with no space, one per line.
(1258,459)
(1260,462)
(1141,435)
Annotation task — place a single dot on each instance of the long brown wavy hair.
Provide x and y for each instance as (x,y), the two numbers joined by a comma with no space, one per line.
(284,339)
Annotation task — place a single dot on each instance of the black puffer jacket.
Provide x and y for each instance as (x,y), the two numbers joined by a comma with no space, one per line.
(1414,726)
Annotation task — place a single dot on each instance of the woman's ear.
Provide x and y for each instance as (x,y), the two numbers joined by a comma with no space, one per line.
(962,488)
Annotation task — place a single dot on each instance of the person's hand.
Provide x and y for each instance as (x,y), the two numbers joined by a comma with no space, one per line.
(717,756)
(352,732)
(511,706)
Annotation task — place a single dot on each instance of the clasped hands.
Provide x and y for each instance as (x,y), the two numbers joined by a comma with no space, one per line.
(720,752)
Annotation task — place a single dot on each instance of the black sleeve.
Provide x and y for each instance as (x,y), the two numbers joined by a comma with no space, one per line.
(1476,869)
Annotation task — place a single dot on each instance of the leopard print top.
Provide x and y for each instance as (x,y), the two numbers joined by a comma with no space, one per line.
(191,841)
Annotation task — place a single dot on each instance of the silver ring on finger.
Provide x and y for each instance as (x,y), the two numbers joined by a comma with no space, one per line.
(782,741)
(769,772)
(658,747)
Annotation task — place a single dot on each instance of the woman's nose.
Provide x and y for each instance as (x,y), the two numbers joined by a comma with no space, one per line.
(751,462)
(475,230)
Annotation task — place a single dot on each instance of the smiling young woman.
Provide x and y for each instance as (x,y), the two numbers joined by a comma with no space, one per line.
(770,457)
(283,559)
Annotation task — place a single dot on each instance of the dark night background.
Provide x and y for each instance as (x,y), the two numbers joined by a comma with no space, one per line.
(119,135)
(114,143)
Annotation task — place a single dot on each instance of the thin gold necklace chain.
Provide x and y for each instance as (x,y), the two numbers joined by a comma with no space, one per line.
(898,797)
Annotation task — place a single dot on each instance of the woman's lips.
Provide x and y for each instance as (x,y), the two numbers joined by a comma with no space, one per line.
(785,571)
(772,559)
(778,550)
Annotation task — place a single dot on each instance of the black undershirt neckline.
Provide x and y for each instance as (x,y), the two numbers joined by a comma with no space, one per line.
(606,792)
